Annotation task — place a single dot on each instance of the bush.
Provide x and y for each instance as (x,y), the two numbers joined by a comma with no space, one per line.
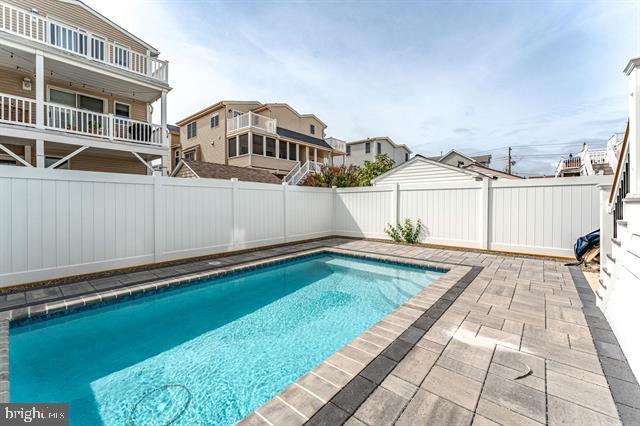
(405,233)
(339,176)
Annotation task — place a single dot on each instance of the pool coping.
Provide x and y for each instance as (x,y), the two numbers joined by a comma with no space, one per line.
(52,309)
(333,391)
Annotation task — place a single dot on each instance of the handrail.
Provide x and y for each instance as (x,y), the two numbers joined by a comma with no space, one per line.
(108,126)
(93,46)
(308,167)
(292,172)
(17,110)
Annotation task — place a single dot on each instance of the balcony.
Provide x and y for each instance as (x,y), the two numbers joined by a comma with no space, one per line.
(251,120)
(22,111)
(94,47)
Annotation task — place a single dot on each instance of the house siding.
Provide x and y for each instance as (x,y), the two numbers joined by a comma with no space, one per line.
(11,83)
(77,16)
(423,172)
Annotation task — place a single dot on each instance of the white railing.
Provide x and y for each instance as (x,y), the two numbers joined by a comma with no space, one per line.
(302,172)
(107,126)
(251,119)
(598,156)
(38,28)
(292,172)
(17,110)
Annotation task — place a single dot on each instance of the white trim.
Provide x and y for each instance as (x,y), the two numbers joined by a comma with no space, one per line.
(143,162)
(122,103)
(14,156)
(180,164)
(67,158)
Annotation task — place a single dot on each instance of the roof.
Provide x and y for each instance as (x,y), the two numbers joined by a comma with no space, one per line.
(205,170)
(211,108)
(422,158)
(282,104)
(477,158)
(492,172)
(302,137)
(387,138)
(110,22)
(173,128)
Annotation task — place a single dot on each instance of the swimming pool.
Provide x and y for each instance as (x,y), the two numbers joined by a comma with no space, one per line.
(210,353)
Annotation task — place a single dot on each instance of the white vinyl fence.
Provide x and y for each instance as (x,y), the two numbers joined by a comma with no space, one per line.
(56,223)
(536,216)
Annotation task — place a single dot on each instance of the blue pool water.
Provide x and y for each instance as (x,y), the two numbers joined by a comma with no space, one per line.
(226,346)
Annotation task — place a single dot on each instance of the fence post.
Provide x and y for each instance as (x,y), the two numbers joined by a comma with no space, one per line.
(159,228)
(285,194)
(483,214)
(334,204)
(235,201)
(395,206)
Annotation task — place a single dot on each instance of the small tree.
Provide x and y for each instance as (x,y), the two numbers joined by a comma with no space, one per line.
(339,176)
(372,169)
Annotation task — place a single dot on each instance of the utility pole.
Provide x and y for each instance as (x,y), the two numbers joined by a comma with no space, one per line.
(509,162)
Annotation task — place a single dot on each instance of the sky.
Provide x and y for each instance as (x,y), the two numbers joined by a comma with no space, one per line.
(542,77)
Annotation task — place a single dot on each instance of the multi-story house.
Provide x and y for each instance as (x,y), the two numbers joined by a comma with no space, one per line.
(458,159)
(76,90)
(270,136)
(357,152)
(590,162)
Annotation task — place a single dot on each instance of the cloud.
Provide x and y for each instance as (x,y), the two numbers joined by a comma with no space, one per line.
(433,75)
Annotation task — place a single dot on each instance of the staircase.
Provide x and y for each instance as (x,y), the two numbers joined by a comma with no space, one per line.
(299,173)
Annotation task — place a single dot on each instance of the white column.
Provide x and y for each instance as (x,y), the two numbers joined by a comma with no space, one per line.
(277,148)
(40,153)
(306,153)
(633,72)
(39,90)
(163,119)
(297,152)
(249,141)
(264,146)
(315,154)
(165,164)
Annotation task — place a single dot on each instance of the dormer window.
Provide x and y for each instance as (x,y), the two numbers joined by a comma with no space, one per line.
(312,129)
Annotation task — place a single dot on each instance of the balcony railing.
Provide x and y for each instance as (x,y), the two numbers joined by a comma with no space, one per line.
(337,144)
(251,119)
(22,111)
(92,46)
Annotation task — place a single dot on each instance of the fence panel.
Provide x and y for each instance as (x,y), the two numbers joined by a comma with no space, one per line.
(310,212)
(363,212)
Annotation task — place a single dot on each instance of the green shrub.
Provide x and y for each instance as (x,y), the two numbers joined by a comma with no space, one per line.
(406,232)
(339,176)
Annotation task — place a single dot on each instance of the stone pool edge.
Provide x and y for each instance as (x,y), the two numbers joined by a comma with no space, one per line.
(310,399)
(44,311)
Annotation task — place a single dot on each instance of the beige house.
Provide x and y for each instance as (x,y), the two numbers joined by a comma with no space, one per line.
(458,159)
(272,136)
(76,90)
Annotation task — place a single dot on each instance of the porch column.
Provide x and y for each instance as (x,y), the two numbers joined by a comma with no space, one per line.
(39,107)
(249,141)
(165,131)
(633,73)
(306,153)
(315,155)
(277,148)
(39,90)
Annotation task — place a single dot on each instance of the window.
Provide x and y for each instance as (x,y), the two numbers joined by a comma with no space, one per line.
(379,148)
(283,150)
(312,129)
(122,110)
(292,151)
(48,161)
(4,161)
(215,120)
(271,147)
(348,149)
(62,97)
(406,156)
(192,130)
(190,155)
(236,113)
(367,147)
(257,144)
(243,140)
(90,104)
(176,157)
(231,142)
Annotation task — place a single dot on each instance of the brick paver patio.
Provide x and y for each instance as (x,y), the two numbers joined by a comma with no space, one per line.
(521,342)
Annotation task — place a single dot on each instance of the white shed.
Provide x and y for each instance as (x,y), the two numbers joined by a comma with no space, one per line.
(422,170)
